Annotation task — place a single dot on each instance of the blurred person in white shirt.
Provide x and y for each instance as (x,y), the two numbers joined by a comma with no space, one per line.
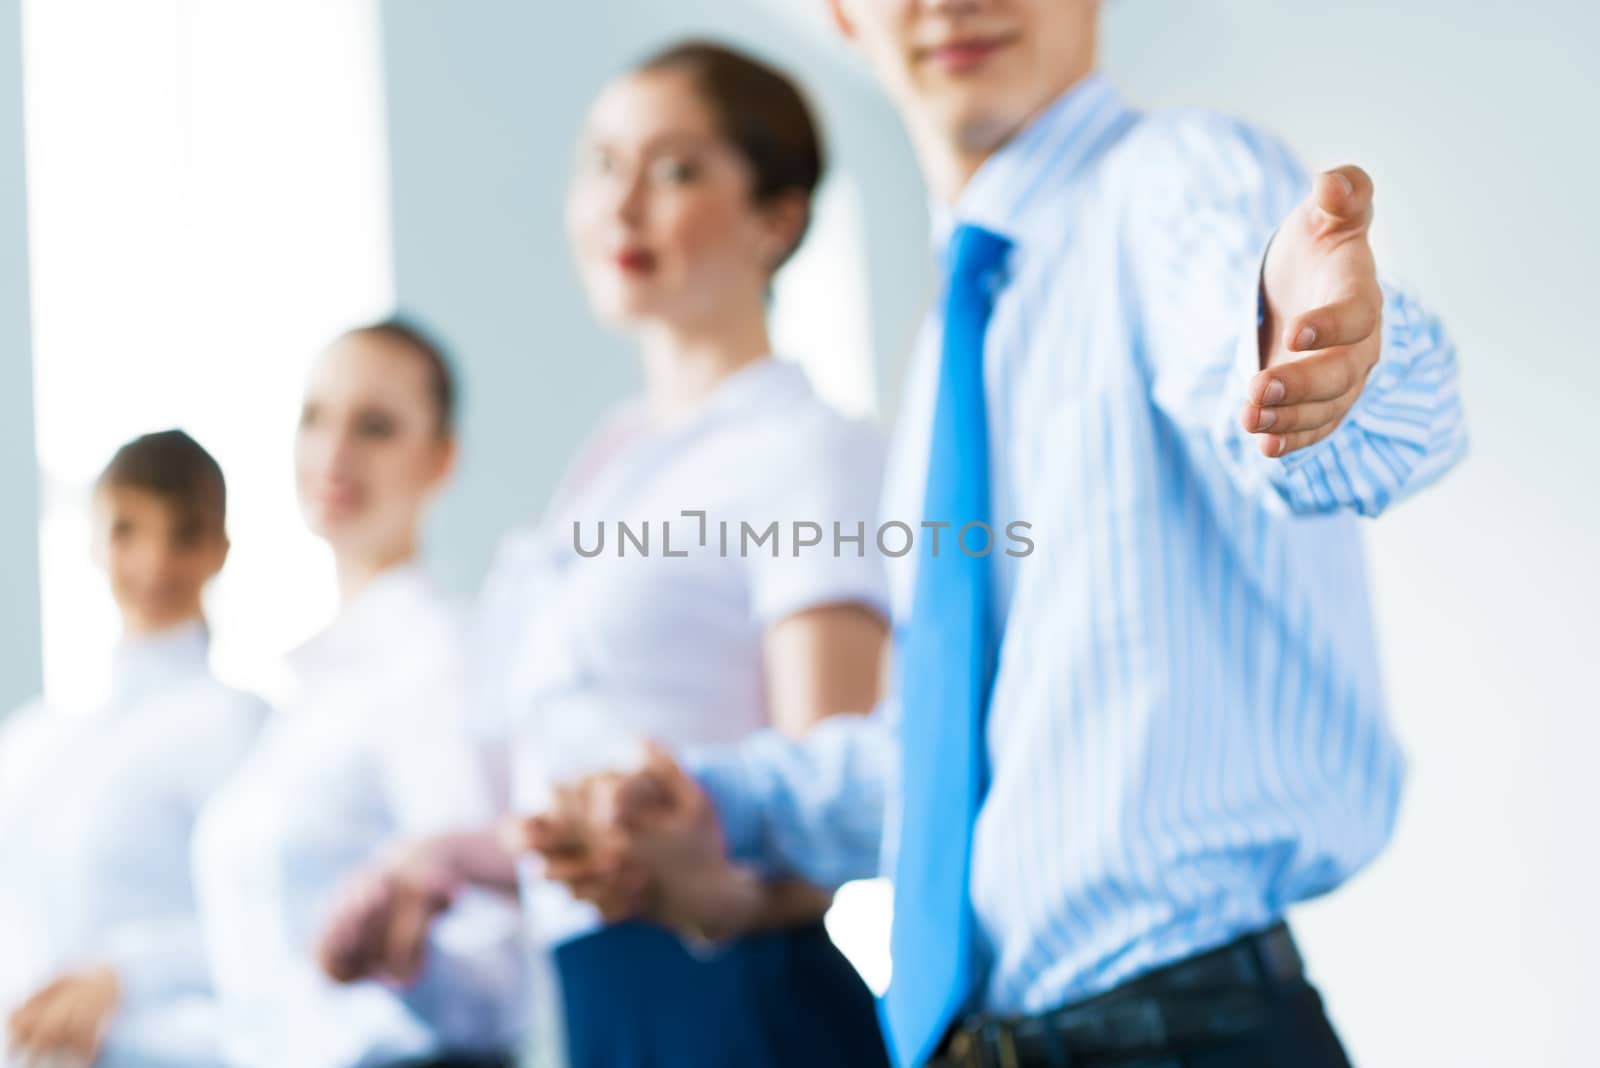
(101,958)
(755,599)
(371,745)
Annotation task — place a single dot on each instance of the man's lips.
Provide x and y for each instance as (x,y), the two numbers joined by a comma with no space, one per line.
(965,53)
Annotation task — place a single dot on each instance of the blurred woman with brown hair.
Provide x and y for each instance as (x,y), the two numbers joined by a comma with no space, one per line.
(694,184)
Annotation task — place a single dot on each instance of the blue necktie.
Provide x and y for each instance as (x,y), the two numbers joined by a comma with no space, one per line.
(946,668)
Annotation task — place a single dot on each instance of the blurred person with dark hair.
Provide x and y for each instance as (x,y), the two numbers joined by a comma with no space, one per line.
(101,956)
(694,184)
(371,745)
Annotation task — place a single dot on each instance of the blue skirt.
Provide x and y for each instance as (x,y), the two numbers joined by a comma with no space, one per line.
(636,998)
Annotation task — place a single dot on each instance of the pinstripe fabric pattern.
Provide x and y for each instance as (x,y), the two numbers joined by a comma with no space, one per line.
(1187,732)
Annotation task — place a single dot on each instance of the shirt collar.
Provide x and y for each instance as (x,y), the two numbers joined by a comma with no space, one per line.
(769,377)
(757,386)
(1057,143)
(391,599)
(141,666)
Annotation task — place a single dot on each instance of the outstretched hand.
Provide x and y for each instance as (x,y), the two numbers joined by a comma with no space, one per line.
(1321,334)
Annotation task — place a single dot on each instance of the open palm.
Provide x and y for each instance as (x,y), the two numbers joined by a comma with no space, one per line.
(1321,334)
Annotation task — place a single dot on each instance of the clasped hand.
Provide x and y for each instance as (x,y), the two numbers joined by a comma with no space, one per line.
(644,844)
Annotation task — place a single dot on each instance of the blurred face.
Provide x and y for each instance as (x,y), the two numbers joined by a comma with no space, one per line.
(157,559)
(368,454)
(970,73)
(660,213)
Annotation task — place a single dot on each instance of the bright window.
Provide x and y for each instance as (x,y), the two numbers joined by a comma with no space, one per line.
(208,205)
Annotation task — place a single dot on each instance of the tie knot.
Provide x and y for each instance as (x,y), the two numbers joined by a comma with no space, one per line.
(974,253)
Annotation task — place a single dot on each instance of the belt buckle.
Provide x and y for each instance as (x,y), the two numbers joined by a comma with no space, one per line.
(964,1049)
(1004,1040)
(970,1046)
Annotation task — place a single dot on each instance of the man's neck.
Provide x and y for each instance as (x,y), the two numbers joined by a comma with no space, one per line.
(951,158)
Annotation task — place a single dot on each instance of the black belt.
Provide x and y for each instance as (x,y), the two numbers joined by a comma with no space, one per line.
(1221,995)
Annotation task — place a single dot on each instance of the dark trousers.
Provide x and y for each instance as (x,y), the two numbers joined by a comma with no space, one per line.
(636,998)
(1298,1036)
(1243,1005)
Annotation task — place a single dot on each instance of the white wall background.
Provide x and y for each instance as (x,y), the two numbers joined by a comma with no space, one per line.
(19,528)
(1474,939)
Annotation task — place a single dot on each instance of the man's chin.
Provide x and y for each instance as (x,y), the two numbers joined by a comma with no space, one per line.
(979,127)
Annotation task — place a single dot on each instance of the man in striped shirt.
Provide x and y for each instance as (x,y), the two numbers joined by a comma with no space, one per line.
(1190,382)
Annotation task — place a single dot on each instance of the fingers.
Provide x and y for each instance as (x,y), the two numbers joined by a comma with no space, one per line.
(405,944)
(680,786)
(51,1031)
(658,756)
(1306,399)
(82,1021)
(1277,445)
(568,853)
(646,796)
(1323,376)
(66,1019)
(29,1028)
(625,898)
(381,925)
(618,894)
(20,1027)
(1294,427)
(512,835)
(553,836)
(578,869)
(662,787)
(417,900)
(1344,194)
(596,810)
(344,950)
(1287,419)
(1348,321)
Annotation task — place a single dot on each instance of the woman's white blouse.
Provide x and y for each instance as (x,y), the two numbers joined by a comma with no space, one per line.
(97,811)
(593,652)
(374,747)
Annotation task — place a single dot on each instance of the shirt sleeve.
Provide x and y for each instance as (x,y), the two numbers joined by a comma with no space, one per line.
(1198,239)
(474,987)
(158,958)
(812,807)
(160,954)
(435,778)
(436,781)
(824,498)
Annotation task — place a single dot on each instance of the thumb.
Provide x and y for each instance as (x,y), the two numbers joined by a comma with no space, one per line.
(656,788)
(517,833)
(1344,195)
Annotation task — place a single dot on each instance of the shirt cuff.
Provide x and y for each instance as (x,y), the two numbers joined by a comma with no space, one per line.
(155,964)
(1314,479)
(727,781)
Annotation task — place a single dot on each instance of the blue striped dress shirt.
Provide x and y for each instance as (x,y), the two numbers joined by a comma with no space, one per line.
(1187,730)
